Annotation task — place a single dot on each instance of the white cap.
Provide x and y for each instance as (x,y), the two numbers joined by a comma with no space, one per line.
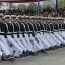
(13,16)
(6,17)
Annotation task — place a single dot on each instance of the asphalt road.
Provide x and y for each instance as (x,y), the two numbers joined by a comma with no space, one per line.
(55,57)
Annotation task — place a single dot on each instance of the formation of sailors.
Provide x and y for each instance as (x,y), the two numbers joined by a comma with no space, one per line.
(23,38)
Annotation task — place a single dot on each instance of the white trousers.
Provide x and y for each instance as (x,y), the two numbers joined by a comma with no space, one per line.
(22,39)
(39,42)
(12,41)
(62,33)
(17,53)
(19,43)
(34,43)
(28,42)
(1,52)
(4,40)
(4,48)
(49,40)
(57,41)
(54,42)
(59,37)
(44,41)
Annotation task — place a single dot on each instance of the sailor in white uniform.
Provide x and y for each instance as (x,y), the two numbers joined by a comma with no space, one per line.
(59,37)
(24,39)
(42,37)
(11,41)
(4,46)
(62,30)
(36,38)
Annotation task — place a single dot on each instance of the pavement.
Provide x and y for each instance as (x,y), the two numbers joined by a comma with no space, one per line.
(54,57)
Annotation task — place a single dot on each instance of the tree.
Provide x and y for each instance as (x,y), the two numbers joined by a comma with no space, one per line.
(61,3)
(52,3)
(22,7)
(33,7)
(11,6)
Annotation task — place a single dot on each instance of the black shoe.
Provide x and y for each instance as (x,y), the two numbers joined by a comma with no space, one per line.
(51,48)
(55,47)
(61,46)
(47,49)
(7,58)
(2,58)
(17,57)
(29,53)
(38,52)
(10,58)
(34,54)
(24,53)
(43,51)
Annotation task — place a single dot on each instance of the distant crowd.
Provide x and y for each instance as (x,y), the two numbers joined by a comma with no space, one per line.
(46,12)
